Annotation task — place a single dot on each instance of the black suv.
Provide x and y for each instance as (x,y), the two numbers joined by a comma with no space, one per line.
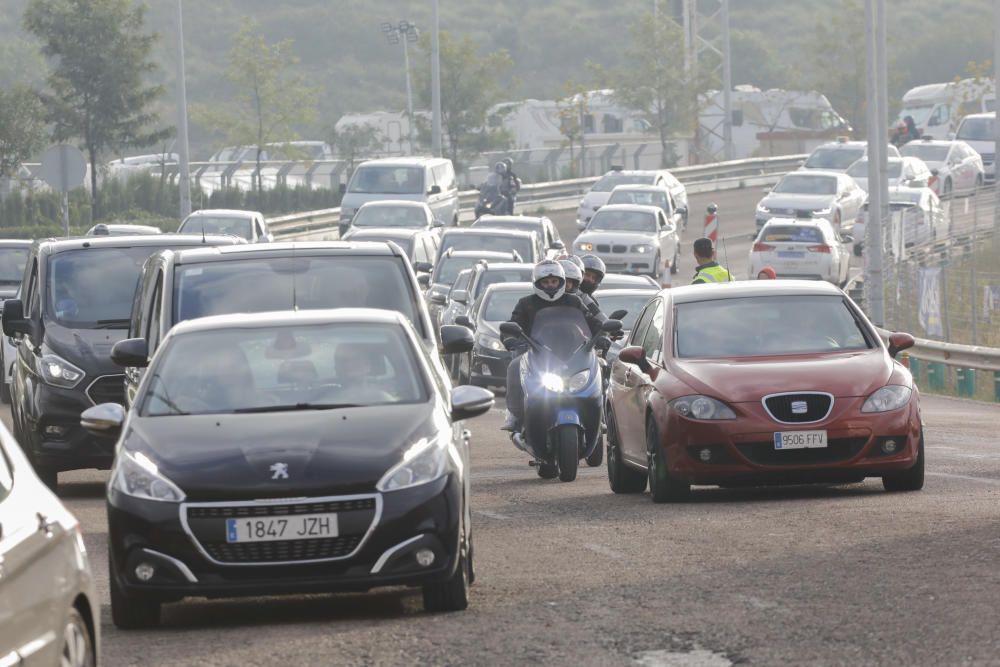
(76,299)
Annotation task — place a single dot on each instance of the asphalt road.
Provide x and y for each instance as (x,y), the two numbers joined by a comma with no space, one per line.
(572,574)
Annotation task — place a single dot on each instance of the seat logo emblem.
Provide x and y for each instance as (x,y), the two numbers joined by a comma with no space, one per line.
(799,407)
(279,471)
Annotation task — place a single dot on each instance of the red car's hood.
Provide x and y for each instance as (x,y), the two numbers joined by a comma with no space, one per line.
(750,379)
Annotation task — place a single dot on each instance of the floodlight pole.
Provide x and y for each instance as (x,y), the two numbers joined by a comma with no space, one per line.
(874,292)
(435,82)
(183,168)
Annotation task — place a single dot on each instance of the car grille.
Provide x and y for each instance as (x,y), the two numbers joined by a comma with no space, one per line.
(987,157)
(107,389)
(837,449)
(605,248)
(615,267)
(206,524)
(802,408)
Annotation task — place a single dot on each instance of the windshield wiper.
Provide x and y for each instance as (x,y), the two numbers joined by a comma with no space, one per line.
(297,406)
(111,324)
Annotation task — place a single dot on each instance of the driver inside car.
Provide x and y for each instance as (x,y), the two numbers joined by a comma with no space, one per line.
(359,367)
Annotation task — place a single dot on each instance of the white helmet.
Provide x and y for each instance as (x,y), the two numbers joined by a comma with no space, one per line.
(574,276)
(545,269)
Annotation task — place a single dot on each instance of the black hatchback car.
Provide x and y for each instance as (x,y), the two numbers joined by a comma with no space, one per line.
(289,452)
(74,305)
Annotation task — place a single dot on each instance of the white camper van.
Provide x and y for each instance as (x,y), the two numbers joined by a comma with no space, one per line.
(937,108)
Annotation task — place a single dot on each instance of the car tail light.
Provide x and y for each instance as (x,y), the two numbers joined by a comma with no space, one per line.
(762,247)
(819,248)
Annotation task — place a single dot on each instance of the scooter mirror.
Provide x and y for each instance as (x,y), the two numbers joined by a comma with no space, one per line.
(611,326)
(511,329)
(618,314)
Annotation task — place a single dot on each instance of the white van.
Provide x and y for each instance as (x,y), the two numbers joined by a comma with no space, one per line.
(424,179)
(937,108)
(977,130)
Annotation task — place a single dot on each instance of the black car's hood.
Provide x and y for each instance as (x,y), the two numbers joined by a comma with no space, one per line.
(88,349)
(329,452)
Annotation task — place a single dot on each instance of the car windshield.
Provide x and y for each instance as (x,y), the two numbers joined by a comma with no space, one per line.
(834,158)
(502,276)
(632,304)
(499,305)
(264,284)
(860,168)
(807,184)
(609,182)
(390,216)
(405,243)
(926,152)
(919,112)
(93,288)
(495,242)
(767,326)
(561,329)
(448,268)
(386,180)
(976,129)
(12,261)
(278,368)
(792,234)
(234,226)
(623,221)
(640,197)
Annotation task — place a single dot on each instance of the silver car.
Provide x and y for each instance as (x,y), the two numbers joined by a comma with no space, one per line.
(600,192)
(247,225)
(631,239)
(955,166)
(831,195)
(49,610)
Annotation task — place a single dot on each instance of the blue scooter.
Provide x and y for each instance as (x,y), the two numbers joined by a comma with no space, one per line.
(563,390)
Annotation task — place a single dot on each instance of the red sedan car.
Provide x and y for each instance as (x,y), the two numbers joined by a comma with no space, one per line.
(760,382)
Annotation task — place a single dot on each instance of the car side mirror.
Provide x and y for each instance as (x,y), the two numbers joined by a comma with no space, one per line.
(423,267)
(435,190)
(13,319)
(343,188)
(464,321)
(557,245)
(437,223)
(898,342)
(619,314)
(438,299)
(131,353)
(468,402)
(511,329)
(104,420)
(580,224)
(611,326)
(460,295)
(636,356)
(424,280)
(456,339)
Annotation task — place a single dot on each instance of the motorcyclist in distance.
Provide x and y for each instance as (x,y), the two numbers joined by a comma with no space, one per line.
(512,184)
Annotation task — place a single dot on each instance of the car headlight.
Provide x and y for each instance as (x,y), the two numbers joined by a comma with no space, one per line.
(578,381)
(56,371)
(552,382)
(137,476)
(702,407)
(762,209)
(641,249)
(422,463)
(889,397)
(585,247)
(490,342)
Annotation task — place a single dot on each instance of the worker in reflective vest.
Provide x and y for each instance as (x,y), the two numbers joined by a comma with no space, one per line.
(708,270)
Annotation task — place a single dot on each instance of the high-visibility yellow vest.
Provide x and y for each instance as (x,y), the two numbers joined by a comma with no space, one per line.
(713,274)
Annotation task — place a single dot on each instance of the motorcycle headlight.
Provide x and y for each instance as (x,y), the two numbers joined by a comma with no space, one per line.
(702,407)
(642,249)
(56,371)
(552,382)
(889,397)
(490,343)
(135,475)
(585,247)
(579,381)
(422,463)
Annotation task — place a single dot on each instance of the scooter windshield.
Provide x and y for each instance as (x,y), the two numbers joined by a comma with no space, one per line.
(562,330)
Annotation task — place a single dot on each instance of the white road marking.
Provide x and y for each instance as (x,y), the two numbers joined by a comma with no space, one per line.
(695,658)
(493,515)
(970,478)
(604,551)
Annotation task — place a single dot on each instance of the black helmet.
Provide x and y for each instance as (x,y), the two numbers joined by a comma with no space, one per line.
(510,164)
(500,168)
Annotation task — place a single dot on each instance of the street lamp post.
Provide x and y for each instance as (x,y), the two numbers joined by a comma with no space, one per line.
(435,82)
(184,172)
(405,32)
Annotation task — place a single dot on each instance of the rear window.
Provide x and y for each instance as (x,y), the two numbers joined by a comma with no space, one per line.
(640,197)
(386,180)
(284,283)
(609,182)
(623,221)
(792,234)
(12,262)
(807,184)
(834,158)
(233,226)
(500,305)
(502,276)
(489,243)
(860,169)
(926,152)
(768,326)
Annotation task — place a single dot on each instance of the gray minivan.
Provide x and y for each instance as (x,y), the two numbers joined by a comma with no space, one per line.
(425,179)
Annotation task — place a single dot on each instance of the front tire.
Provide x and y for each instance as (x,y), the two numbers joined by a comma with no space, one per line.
(567,452)
(131,613)
(663,487)
(452,594)
(907,480)
(621,477)
(78,644)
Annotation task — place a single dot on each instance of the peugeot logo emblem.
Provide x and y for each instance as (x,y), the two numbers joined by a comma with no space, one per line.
(279,471)
(799,407)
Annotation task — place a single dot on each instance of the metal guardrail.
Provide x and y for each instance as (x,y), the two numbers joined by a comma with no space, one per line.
(975,357)
(717,176)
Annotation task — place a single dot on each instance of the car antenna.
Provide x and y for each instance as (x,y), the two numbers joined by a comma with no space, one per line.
(725,258)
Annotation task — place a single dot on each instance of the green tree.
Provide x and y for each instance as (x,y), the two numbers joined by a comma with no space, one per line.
(470,84)
(97,86)
(22,128)
(272,98)
(837,62)
(572,109)
(355,141)
(654,82)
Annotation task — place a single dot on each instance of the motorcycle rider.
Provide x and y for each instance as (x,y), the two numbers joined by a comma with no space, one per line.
(574,276)
(549,280)
(593,273)
(512,184)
